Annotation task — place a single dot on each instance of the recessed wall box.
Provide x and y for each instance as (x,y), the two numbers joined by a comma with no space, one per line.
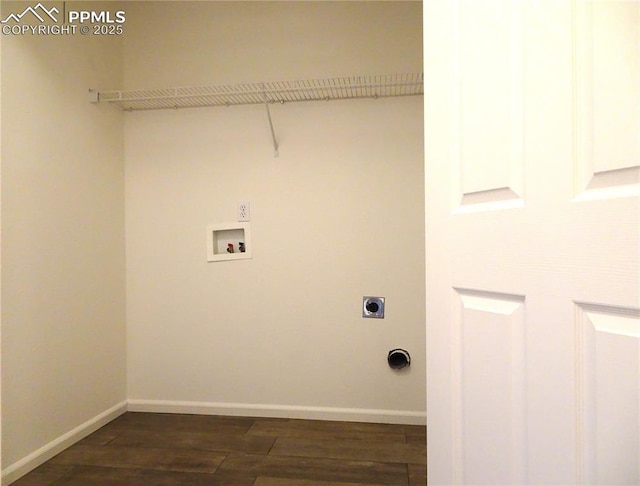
(228,241)
(373,307)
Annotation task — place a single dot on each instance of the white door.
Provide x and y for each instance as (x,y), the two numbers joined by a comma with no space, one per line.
(532,183)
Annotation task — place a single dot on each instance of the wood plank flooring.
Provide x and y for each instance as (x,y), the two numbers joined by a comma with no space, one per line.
(169,449)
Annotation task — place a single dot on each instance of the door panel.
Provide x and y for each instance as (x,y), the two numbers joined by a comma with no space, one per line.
(488,81)
(611,74)
(608,364)
(489,352)
(607,86)
(531,176)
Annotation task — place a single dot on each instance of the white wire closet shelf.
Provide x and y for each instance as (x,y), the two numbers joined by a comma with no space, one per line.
(337,88)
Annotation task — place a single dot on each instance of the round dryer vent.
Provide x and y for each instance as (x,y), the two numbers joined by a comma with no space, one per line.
(398,359)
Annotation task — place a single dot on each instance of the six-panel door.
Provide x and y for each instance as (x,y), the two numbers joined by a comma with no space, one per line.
(532,123)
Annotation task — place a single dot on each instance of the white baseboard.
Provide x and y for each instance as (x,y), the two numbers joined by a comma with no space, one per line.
(280,411)
(42,455)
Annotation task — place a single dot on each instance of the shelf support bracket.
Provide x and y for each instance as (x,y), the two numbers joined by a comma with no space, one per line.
(273,133)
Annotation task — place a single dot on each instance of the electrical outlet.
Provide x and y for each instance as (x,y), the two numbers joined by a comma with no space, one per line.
(243,211)
(373,307)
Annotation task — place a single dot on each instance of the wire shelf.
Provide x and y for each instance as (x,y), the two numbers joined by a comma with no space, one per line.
(340,88)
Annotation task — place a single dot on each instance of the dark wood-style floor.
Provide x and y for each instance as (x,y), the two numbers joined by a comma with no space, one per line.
(167,449)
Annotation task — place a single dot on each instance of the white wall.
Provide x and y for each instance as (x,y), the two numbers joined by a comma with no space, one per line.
(0,261)
(195,43)
(63,308)
(338,215)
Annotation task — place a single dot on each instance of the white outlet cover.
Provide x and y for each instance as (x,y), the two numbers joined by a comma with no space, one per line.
(244,211)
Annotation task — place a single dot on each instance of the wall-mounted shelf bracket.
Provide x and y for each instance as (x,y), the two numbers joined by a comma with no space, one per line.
(273,133)
(93,96)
